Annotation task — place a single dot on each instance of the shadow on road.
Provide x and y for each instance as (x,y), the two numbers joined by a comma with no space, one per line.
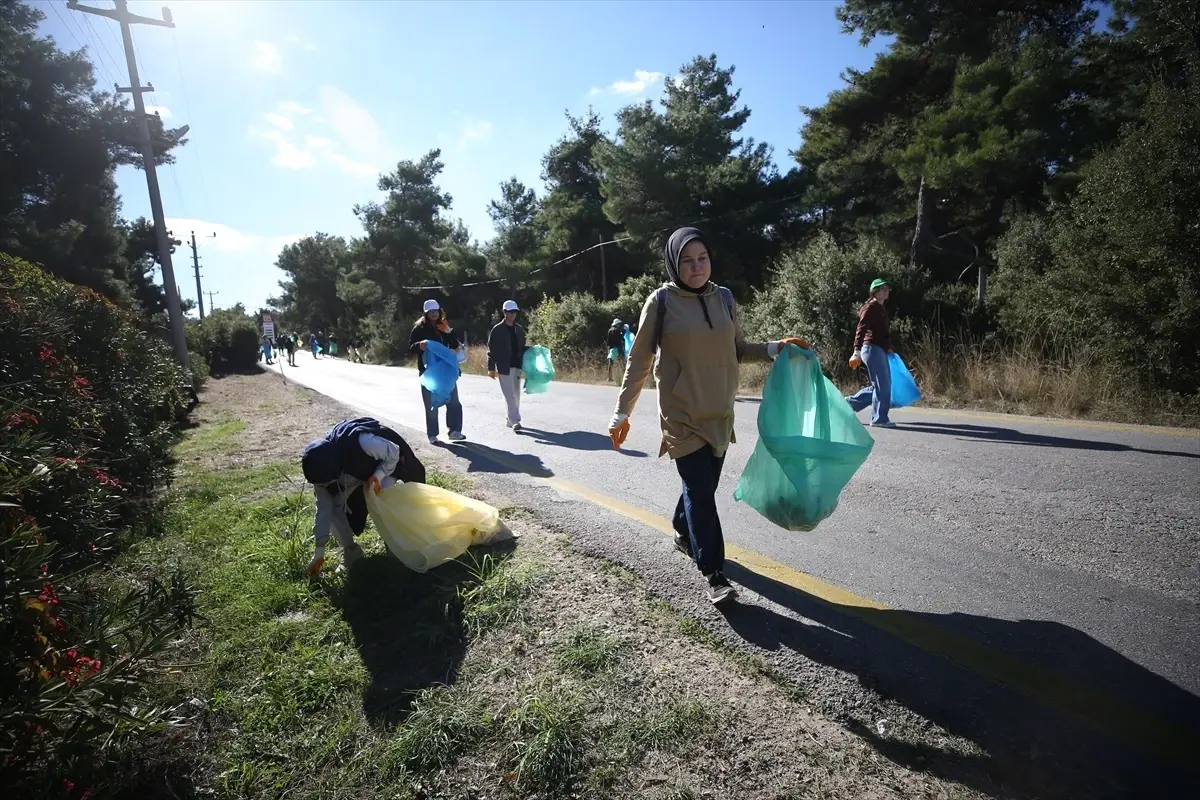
(1009,436)
(407,628)
(577,440)
(1029,747)
(481,458)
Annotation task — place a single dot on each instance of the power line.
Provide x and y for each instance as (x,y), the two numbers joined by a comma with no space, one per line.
(106,56)
(82,42)
(646,236)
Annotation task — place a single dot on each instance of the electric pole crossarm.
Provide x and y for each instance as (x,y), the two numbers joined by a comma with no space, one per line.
(117,15)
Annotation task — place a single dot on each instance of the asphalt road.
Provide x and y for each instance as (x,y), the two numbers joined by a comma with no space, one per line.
(1017,581)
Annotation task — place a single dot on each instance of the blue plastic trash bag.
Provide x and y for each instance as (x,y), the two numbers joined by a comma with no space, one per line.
(441,373)
(810,444)
(628,341)
(538,368)
(904,388)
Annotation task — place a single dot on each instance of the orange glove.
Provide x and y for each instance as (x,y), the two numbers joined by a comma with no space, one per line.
(619,433)
(374,485)
(421,345)
(855,360)
(443,325)
(803,345)
(492,374)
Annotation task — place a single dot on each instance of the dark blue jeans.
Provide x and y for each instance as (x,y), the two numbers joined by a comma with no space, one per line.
(696,512)
(454,413)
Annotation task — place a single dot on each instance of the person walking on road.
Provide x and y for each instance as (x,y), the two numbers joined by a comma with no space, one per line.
(506,351)
(315,345)
(695,326)
(354,454)
(433,326)
(615,339)
(872,343)
(333,345)
(289,344)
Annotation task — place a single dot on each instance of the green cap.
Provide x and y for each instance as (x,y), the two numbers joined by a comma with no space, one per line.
(877,283)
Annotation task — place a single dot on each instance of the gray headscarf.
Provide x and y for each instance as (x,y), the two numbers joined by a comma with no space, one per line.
(679,240)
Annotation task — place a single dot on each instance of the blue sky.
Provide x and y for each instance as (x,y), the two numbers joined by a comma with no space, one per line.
(295,107)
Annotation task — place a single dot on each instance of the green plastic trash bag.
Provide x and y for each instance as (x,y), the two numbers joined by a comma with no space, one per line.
(538,369)
(810,444)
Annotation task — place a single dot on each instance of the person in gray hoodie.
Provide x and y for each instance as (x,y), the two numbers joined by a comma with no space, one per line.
(506,352)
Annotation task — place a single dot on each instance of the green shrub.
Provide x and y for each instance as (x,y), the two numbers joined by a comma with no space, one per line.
(815,292)
(87,407)
(227,339)
(570,326)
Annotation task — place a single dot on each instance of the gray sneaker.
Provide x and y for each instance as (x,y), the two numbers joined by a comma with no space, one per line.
(456,436)
(433,440)
(516,427)
(888,424)
(719,590)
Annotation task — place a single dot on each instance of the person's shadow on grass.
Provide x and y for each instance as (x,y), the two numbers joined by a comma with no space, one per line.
(407,626)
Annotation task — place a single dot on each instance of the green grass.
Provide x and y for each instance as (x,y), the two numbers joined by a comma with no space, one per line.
(548,750)
(675,728)
(216,438)
(585,652)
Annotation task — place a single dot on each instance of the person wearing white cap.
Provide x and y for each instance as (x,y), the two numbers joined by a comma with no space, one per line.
(506,350)
(433,326)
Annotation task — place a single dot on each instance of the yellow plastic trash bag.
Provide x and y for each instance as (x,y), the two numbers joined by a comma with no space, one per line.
(425,526)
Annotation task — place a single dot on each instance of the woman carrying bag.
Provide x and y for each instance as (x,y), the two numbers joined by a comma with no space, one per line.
(433,326)
(694,326)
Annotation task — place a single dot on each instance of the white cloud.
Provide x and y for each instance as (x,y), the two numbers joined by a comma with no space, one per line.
(473,131)
(304,43)
(292,109)
(229,240)
(162,111)
(642,80)
(354,124)
(280,121)
(300,141)
(266,58)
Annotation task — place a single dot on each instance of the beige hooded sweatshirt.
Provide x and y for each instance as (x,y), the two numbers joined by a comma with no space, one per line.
(696,369)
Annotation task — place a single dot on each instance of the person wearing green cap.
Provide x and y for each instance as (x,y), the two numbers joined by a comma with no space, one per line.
(872,343)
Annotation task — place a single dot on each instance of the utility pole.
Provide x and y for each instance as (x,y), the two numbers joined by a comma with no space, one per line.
(211,306)
(125,19)
(196,266)
(603,273)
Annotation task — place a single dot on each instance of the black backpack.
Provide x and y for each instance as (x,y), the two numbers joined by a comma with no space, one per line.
(660,297)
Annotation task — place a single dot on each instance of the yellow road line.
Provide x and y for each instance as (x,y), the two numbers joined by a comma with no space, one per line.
(1167,741)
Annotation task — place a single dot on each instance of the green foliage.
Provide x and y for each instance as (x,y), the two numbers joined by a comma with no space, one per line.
(815,292)
(227,339)
(86,419)
(1113,282)
(571,325)
(62,142)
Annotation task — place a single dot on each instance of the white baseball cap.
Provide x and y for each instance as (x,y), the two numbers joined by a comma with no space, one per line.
(511,305)
(431,305)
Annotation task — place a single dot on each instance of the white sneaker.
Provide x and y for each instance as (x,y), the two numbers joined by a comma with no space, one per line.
(456,436)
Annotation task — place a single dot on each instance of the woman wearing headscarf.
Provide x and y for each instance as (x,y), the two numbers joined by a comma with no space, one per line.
(695,327)
(872,343)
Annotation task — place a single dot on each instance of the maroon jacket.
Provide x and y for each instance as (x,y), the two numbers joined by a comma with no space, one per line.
(872,326)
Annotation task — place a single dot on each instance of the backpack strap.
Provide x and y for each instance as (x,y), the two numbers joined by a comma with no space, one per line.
(660,297)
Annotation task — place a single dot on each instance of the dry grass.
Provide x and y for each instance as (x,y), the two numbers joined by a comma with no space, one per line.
(1030,377)
(1037,377)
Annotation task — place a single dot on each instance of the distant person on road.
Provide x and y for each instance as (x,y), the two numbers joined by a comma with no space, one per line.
(333,344)
(697,331)
(615,339)
(354,453)
(267,350)
(872,343)
(289,344)
(506,353)
(433,326)
(352,351)
(315,345)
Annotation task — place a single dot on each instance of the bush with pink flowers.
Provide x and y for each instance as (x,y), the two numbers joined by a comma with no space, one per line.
(89,405)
